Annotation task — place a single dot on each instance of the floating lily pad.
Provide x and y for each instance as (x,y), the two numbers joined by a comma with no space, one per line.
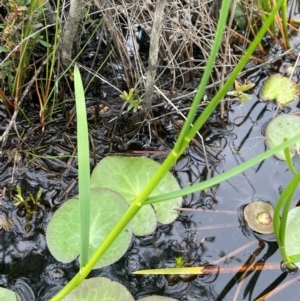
(280,88)
(99,289)
(292,233)
(128,176)
(259,216)
(283,126)
(157,298)
(63,232)
(103,289)
(8,295)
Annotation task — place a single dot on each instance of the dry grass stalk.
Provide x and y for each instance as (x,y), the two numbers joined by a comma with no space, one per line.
(185,41)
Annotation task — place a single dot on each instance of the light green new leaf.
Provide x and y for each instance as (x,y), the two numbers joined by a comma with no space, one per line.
(280,88)
(128,176)
(63,232)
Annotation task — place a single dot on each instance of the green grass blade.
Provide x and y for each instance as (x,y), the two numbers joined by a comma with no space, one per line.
(224,176)
(207,72)
(277,222)
(83,167)
(221,93)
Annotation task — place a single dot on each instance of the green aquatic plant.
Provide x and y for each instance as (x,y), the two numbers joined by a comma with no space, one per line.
(133,100)
(239,91)
(281,88)
(190,128)
(179,262)
(30,203)
(96,289)
(283,127)
(145,195)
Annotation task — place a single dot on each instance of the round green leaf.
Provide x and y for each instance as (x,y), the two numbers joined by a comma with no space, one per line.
(292,233)
(128,176)
(280,88)
(8,295)
(99,289)
(63,232)
(283,126)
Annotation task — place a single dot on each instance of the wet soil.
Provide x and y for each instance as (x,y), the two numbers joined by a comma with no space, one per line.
(209,230)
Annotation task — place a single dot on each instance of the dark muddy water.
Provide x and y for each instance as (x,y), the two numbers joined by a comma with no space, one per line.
(208,229)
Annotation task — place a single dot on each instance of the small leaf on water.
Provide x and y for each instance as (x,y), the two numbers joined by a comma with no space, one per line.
(280,88)
(281,127)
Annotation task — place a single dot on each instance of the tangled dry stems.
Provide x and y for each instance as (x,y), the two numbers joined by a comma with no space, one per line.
(185,43)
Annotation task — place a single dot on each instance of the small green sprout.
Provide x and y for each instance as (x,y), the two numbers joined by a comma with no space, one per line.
(30,202)
(134,103)
(179,262)
(238,92)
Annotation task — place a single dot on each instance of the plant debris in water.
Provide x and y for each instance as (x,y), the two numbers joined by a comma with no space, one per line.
(259,215)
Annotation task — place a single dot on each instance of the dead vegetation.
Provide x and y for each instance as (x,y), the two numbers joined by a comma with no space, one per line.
(184,47)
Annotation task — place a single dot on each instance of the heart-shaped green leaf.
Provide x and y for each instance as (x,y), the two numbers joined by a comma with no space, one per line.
(280,88)
(63,232)
(283,126)
(292,233)
(157,298)
(99,289)
(128,176)
(8,295)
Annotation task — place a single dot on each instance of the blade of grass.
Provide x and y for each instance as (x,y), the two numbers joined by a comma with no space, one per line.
(221,93)
(222,177)
(206,75)
(83,168)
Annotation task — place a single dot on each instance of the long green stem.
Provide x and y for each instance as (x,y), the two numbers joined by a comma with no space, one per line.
(206,74)
(221,93)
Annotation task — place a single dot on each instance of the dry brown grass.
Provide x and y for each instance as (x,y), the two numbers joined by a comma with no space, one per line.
(185,42)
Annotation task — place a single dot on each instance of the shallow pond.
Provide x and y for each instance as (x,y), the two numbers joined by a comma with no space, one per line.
(208,230)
